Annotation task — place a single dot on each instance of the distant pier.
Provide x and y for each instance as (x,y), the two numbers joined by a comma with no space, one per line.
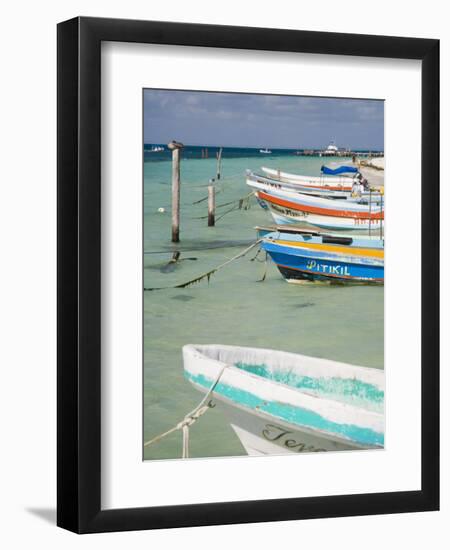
(346,153)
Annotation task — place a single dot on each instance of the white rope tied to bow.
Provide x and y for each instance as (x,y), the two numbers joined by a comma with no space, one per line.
(190,418)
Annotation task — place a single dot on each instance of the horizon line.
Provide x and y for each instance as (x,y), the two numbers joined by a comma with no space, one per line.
(378,150)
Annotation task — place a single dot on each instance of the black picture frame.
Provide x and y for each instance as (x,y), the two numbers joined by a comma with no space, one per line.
(79,275)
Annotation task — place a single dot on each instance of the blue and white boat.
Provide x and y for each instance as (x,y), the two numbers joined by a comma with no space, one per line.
(279,402)
(303,257)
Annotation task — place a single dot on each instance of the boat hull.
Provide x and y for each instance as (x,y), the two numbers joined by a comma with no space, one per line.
(314,261)
(282,215)
(326,206)
(271,417)
(261,434)
(260,183)
(343,183)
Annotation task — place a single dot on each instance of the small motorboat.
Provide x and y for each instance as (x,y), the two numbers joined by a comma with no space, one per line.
(263,183)
(341,182)
(279,402)
(302,256)
(359,213)
(265,151)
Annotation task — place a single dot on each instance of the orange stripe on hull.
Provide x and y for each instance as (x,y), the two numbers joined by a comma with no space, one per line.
(335,249)
(318,210)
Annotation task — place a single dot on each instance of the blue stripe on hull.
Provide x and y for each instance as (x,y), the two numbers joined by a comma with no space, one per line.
(303,266)
(317,254)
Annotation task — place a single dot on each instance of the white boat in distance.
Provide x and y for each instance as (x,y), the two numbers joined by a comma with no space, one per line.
(280,403)
(265,151)
(331,150)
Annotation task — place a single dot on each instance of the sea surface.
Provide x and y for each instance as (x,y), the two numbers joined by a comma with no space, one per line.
(234,307)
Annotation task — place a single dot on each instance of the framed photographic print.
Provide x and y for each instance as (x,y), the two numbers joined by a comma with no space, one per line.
(229,347)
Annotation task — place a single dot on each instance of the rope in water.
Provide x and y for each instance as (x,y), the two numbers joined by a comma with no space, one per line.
(238,204)
(208,274)
(190,418)
(224,244)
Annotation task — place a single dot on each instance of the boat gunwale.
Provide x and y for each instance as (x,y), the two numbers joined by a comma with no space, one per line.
(318,205)
(298,177)
(340,224)
(304,252)
(253,178)
(375,244)
(348,408)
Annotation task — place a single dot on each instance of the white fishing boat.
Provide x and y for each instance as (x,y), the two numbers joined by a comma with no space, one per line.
(156,149)
(265,151)
(263,183)
(279,402)
(336,183)
(282,216)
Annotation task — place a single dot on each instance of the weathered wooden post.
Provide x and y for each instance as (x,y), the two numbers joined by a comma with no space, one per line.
(175,147)
(219,163)
(211,205)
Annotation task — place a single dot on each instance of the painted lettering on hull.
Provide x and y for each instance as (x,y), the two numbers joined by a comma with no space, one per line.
(283,437)
(327,269)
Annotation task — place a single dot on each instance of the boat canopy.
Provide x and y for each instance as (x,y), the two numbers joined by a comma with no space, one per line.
(338,170)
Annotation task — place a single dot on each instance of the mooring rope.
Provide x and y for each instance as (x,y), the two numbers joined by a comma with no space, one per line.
(205,198)
(263,278)
(238,204)
(216,181)
(208,274)
(229,244)
(190,418)
(235,201)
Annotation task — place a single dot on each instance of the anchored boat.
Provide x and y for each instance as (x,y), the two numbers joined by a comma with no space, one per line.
(339,182)
(279,402)
(302,256)
(263,183)
(354,213)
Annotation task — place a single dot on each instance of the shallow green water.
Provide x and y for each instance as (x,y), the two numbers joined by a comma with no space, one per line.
(341,323)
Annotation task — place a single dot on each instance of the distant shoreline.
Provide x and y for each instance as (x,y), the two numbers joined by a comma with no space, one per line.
(315,151)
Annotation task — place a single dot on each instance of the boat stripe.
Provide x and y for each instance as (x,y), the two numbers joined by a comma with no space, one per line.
(371,252)
(279,185)
(318,210)
(381,280)
(297,416)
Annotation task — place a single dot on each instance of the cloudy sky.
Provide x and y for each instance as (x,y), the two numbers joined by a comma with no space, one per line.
(246,120)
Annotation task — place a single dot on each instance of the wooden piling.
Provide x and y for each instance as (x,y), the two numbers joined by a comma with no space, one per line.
(211,205)
(175,147)
(219,163)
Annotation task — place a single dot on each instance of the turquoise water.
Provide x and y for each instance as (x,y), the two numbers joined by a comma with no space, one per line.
(341,323)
